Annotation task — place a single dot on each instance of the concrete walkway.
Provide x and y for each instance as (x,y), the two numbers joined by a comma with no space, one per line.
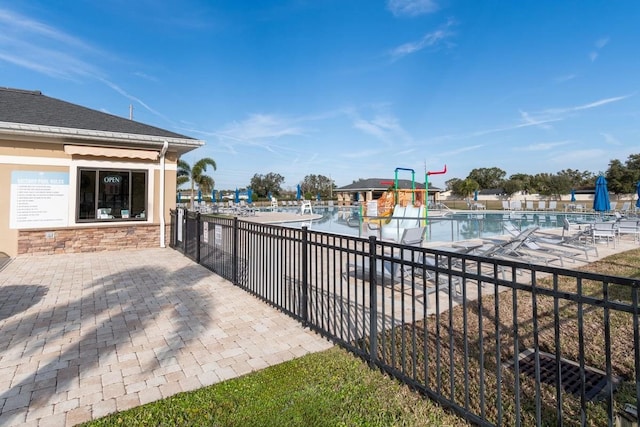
(85,335)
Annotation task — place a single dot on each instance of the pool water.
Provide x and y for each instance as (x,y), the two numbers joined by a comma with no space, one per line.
(454,227)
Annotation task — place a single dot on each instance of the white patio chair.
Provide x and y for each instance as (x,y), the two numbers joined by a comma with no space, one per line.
(604,231)
(629,226)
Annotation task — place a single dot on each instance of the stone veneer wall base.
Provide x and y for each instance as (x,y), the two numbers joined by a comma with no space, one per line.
(74,240)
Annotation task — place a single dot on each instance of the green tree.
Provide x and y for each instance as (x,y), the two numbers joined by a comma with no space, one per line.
(464,188)
(512,186)
(487,177)
(622,178)
(196,175)
(524,180)
(312,185)
(450,184)
(262,185)
(577,179)
(541,184)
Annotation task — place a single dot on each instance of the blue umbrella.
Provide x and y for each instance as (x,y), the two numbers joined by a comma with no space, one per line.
(298,193)
(269,195)
(638,191)
(237,199)
(475,195)
(199,196)
(318,197)
(213,196)
(573,195)
(601,196)
(179,197)
(249,195)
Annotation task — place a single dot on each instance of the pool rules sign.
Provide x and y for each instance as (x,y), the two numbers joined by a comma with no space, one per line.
(39,199)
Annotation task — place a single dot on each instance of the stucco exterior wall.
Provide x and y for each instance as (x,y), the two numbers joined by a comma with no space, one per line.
(18,155)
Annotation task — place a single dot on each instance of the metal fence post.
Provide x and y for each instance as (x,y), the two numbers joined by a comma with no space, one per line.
(184,230)
(198,236)
(373,300)
(305,285)
(234,251)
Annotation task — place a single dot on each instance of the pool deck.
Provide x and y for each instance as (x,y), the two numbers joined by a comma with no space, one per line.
(276,217)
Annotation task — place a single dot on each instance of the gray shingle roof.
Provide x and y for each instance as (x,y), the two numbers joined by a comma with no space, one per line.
(34,108)
(377,184)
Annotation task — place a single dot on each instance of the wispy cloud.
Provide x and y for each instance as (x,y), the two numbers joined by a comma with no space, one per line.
(528,120)
(258,130)
(461,150)
(145,76)
(133,98)
(38,47)
(590,105)
(432,39)
(599,44)
(610,139)
(262,126)
(360,154)
(384,126)
(566,78)
(543,146)
(412,7)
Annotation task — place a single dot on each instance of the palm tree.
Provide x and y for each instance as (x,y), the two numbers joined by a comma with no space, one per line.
(196,174)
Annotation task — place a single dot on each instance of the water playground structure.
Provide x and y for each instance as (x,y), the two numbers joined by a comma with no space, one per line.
(398,208)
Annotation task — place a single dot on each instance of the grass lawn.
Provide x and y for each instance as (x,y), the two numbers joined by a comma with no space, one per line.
(331,388)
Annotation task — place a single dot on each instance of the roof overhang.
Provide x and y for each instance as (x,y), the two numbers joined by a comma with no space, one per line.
(21,131)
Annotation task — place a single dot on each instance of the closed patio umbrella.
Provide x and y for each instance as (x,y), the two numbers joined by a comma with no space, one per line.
(298,193)
(237,198)
(249,195)
(638,191)
(213,196)
(573,196)
(475,195)
(199,196)
(601,196)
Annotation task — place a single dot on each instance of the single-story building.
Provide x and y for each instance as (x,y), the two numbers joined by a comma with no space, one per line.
(365,190)
(76,179)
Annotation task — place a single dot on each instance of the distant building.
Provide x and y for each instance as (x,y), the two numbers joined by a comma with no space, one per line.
(368,189)
(76,179)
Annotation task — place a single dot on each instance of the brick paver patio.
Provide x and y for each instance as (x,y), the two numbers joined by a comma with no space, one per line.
(85,335)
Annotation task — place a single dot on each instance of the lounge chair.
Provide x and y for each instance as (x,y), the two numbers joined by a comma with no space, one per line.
(629,226)
(531,243)
(625,207)
(512,249)
(516,205)
(579,241)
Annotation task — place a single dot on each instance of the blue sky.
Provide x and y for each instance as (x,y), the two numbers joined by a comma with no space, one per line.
(347,88)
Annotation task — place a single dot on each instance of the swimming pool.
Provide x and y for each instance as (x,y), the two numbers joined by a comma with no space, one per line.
(457,226)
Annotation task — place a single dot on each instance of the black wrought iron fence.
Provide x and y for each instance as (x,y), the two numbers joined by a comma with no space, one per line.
(500,342)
